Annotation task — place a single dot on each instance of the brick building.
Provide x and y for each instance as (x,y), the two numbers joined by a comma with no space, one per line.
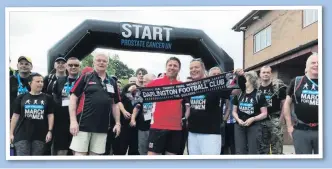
(282,39)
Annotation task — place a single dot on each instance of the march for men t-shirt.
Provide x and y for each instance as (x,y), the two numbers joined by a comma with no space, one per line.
(33,120)
(206,113)
(305,99)
(249,105)
(272,99)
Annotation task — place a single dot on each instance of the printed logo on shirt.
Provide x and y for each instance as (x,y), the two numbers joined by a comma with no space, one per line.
(198,102)
(247,105)
(268,94)
(309,94)
(35,110)
(148,109)
(91,83)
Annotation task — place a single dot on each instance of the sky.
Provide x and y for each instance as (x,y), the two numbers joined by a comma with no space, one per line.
(33,33)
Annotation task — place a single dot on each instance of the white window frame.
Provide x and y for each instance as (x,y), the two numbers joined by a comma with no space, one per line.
(310,16)
(264,38)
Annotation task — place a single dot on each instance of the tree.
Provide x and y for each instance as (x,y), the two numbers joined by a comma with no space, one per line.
(87,61)
(115,66)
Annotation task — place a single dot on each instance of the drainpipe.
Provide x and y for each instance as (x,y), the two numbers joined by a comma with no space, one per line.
(243,50)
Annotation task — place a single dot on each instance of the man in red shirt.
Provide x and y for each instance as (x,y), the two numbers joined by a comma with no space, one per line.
(165,131)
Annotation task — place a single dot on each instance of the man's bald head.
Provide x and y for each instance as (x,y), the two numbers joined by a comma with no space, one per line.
(132,80)
(148,78)
(312,64)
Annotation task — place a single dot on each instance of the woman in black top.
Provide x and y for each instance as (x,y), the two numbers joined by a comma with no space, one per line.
(248,109)
(32,121)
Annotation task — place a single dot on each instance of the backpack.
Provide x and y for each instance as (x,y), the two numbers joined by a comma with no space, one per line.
(50,81)
(87,78)
(297,84)
(277,84)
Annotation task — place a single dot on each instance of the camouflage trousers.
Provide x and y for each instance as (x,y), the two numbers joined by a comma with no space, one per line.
(272,137)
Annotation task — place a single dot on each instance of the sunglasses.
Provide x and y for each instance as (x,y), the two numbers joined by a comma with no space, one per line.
(73,65)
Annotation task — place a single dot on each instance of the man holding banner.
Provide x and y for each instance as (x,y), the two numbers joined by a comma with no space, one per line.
(205,115)
(168,93)
(165,131)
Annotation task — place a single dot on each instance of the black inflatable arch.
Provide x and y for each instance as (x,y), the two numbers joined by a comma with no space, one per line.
(92,34)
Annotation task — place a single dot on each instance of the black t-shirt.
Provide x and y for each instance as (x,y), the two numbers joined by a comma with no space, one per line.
(206,113)
(249,104)
(17,89)
(95,105)
(272,98)
(33,120)
(305,99)
(144,116)
(61,93)
(128,104)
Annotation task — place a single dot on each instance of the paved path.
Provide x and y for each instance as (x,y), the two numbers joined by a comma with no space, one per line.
(288,149)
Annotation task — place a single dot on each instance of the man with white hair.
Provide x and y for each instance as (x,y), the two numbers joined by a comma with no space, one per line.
(90,119)
(303,93)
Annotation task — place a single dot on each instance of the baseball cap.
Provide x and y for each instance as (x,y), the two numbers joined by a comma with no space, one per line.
(60,59)
(24,58)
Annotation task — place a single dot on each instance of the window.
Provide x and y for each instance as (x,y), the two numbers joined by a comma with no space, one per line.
(262,39)
(310,16)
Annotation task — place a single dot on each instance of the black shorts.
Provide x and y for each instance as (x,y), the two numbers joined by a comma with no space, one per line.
(161,141)
(61,137)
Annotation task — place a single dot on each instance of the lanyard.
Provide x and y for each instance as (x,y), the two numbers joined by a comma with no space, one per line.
(312,82)
(104,84)
(21,89)
(68,86)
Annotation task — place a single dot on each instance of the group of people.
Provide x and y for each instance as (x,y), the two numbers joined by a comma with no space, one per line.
(89,112)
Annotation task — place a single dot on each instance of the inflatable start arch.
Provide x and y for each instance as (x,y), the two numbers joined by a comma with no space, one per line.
(92,34)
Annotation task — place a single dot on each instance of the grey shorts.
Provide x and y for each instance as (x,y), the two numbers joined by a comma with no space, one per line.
(28,148)
(143,142)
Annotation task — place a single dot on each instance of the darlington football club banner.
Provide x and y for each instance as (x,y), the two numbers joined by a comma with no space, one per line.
(223,82)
